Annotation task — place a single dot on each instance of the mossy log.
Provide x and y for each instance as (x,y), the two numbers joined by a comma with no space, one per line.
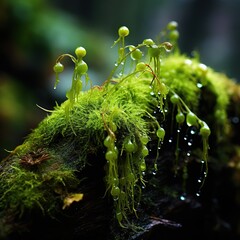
(153,153)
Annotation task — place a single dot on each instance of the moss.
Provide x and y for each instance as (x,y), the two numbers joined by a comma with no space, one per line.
(20,189)
(116,124)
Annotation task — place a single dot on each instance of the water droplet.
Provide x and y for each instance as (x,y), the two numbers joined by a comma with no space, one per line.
(199,85)
(193,131)
(235,120)
(188,153)
(170,140)
(152,93)
(199,180)
(189,143)
(188,62)
(203,67)
(198,194)
(178,130)
(182,197)
(115,64)
(154,172)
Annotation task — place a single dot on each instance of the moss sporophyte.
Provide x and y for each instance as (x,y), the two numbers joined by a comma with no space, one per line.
(149,101)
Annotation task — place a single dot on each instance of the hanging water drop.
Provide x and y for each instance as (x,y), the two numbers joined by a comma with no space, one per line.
(193,130)
(182,197)
(198,194)
(188,153)
(185,138)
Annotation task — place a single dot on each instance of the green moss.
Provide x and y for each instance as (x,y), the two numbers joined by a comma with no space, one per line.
(115,123)
(20,189)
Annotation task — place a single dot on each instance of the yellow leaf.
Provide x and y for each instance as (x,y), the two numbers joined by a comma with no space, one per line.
(74,197)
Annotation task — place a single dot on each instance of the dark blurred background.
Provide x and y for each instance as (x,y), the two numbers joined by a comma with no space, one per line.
(35,32)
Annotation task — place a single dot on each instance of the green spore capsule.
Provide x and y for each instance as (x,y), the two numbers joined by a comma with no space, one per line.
(58,67)
(154,51)
(160,133)
(191,119)
(180,117)
(81,67)
(174,99)
(143,165)
(172,25)
(148,42)
(205,130)
(144,139)
(136,54)
(141,66)
(129,146)
(123,31)
(145,151)
(80,52)
(174,35)
(111,155)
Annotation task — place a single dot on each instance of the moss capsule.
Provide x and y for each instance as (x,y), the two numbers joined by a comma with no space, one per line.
(160,133)
(136,54)
(145,151)
(80,52)
(111,155)
(174,99)
(205,130)
(129,146)
(180,117)
(172,25)
(81,67)
(58,67)
(191,119)
(123,31)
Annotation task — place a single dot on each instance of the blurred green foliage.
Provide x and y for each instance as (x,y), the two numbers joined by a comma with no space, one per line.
(34,32)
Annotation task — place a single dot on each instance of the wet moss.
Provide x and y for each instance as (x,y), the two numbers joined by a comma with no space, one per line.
(118,127)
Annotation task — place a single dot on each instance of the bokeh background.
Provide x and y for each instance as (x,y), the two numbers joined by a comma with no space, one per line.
(35,32)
